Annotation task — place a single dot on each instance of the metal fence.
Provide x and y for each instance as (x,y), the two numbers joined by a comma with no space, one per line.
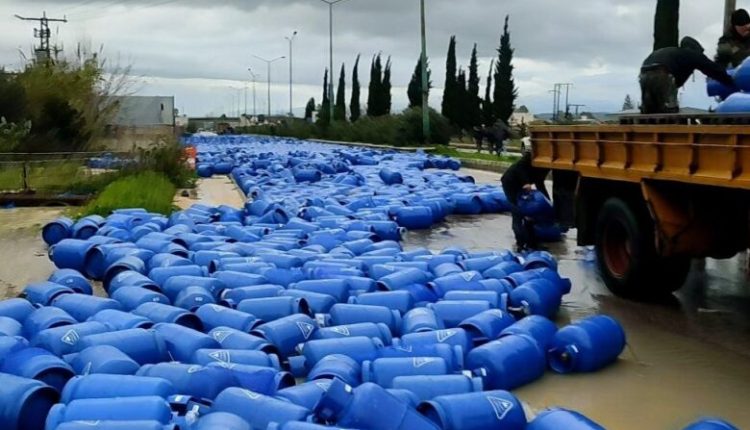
(50,173)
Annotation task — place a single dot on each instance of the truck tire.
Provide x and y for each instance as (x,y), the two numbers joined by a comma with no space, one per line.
(626,254)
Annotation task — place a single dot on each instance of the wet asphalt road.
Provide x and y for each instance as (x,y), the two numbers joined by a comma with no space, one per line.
(687,357)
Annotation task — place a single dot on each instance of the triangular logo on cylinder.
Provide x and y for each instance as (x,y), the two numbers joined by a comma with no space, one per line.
(500,406)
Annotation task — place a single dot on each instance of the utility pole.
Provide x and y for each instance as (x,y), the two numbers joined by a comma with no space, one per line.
(330,4)
(577,106)
(43,33)
(425,80)
(255,78)
(555,104)
(567,98)
(729,8)
(268,63)
(291,84)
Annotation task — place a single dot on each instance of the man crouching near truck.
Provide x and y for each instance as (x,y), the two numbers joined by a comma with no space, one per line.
(521,178)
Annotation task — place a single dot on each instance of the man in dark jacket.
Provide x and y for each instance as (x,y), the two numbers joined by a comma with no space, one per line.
(734,46)
(519,178)
(667,69)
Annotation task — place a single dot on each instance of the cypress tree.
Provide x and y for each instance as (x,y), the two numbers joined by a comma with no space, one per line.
(415,85)
(356,110)
(462,101)
(324,116)
(505,87)
(309,109)
(375,88)
(474,109)
(449,91)
(488,108)
(666,24)
(386,89)
(339,110)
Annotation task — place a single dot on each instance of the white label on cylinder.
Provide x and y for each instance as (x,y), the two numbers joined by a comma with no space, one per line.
(306,329)
(500,406)
(444,335)
(341,330)
(422,361)
(71,337)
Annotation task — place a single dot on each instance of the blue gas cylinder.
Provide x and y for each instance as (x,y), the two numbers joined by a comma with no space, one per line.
(306,395)
(380,331)
(358,348)
(64,340)
(213,316)
(711,424)
(37,363)
(221,420)
(343,314)
(288,332)
(476,411)
(193,380)
(735,103)
(143,346)
(587,345)
(363,408)
(427,387)
(25,402)
(508,362)
(115,386)
(537,327)
(150,408)
(383,370)
(258,410)
(557,418)
(182,341)
(488,325)
(102,359)
(337,366)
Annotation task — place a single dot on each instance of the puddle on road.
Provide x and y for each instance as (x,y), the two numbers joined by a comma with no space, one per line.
(23,254)
(689,357)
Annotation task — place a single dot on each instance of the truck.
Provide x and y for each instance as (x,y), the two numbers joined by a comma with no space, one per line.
(651,194)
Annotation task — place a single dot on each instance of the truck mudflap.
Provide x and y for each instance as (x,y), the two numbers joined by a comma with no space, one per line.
(697,221)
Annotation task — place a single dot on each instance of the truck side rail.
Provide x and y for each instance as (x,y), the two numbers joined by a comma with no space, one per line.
(697,154)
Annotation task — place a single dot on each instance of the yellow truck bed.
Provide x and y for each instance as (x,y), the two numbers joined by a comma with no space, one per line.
(696,154)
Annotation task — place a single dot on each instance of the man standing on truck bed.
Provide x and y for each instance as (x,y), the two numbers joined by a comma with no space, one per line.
(667,69)
(519,178)
(734,46)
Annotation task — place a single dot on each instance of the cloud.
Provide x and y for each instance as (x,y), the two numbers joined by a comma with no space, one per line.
(197,49)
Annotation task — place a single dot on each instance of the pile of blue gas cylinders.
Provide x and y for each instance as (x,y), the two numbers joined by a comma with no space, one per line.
(300,311)
(734,100)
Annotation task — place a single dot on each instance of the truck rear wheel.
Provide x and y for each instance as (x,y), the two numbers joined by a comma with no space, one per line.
(626,254)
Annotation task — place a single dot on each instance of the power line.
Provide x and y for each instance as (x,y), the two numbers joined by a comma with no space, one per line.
(102,14)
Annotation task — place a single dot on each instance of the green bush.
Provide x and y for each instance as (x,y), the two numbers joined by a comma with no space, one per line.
(166,157)
(440,128)
(149,190)
(391,130)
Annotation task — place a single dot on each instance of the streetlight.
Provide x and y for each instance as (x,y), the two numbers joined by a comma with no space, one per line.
(425,83)
(330,4)
(291,39)
(255,78)
(268,63)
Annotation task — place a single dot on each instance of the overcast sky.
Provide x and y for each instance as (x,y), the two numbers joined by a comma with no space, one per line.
(200,50)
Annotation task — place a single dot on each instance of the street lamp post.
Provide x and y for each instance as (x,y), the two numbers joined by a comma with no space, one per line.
(291,79)
(425,82)
(268,63)
(255,79)
(330,4)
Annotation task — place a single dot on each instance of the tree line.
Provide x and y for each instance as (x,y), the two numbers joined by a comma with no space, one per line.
(462,105)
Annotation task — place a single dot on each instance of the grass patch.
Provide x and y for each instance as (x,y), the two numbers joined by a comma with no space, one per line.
(54,177)
(149,190)
(452,152)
